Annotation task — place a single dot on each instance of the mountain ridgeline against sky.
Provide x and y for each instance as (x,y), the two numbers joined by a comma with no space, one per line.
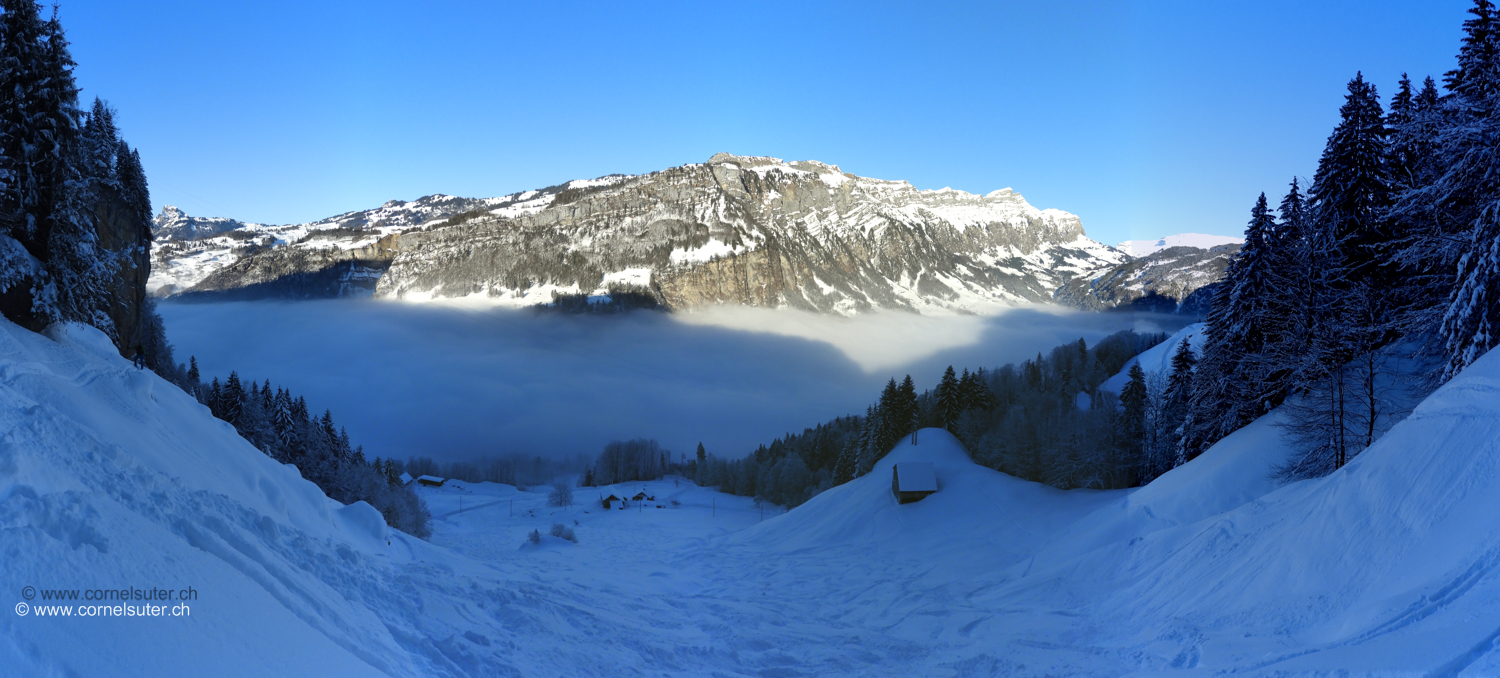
(739,230)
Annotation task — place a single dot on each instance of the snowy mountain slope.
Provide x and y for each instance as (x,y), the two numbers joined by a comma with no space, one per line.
(1158,358)
(190,250)
(1161,281)
(744,230)
(1144,248)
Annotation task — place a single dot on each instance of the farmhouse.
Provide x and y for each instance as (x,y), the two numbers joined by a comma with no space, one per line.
(912,480)
(607,501)
(431,481)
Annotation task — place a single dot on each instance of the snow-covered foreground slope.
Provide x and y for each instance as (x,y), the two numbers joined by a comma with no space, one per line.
(110,478)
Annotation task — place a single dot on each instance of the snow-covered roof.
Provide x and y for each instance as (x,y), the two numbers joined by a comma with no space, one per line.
(431,479)
(406,479)
(915,476)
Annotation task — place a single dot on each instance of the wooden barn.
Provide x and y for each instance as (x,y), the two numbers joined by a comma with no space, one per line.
(406,479)
(431,481)
(912,480)
(608,502)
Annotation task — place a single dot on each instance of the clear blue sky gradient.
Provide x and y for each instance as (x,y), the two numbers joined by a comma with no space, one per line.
(1144,118)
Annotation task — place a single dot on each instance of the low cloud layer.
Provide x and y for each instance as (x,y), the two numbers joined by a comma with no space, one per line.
(452,382)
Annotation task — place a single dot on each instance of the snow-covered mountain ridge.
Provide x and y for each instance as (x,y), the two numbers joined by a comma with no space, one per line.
(740,230)
(1163,281)
(746,230)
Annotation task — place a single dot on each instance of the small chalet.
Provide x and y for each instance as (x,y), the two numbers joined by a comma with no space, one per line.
(912,480)
(607,501)
(406,479)
(431,481)
(643,497)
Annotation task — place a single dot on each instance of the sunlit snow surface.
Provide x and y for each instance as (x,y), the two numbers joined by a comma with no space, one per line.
(110,477)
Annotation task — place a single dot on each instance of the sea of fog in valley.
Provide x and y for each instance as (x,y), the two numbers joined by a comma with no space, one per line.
(454,381)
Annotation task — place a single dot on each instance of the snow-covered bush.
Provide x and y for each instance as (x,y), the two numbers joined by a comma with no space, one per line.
(564,532)
(535,537)
(561,494)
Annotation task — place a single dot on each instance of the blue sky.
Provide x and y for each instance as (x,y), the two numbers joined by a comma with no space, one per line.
(1143,118)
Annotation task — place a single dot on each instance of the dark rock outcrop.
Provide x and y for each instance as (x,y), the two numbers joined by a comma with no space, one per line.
(122,233)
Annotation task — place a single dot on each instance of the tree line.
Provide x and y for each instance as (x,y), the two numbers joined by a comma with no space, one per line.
(521,470)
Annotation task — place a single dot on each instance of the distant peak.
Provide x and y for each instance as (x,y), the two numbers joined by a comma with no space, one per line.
(1202,241)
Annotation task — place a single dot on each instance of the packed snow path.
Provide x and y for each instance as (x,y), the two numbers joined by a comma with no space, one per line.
(111,478)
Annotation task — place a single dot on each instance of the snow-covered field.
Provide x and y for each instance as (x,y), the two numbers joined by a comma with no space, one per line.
(111,478)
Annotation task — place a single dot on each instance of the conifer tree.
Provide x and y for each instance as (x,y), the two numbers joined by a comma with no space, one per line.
(1352,187)
(232,401)
(216,399)
(1474,80)
(194,378)
(98,144)
(868,442)
(949,398)
(908,401)
(1133,419)
(844,470)
(1227,386)
(133,187)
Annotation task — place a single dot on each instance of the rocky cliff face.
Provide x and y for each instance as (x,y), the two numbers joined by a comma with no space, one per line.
(761,232)
(1159,282)
(123,233)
